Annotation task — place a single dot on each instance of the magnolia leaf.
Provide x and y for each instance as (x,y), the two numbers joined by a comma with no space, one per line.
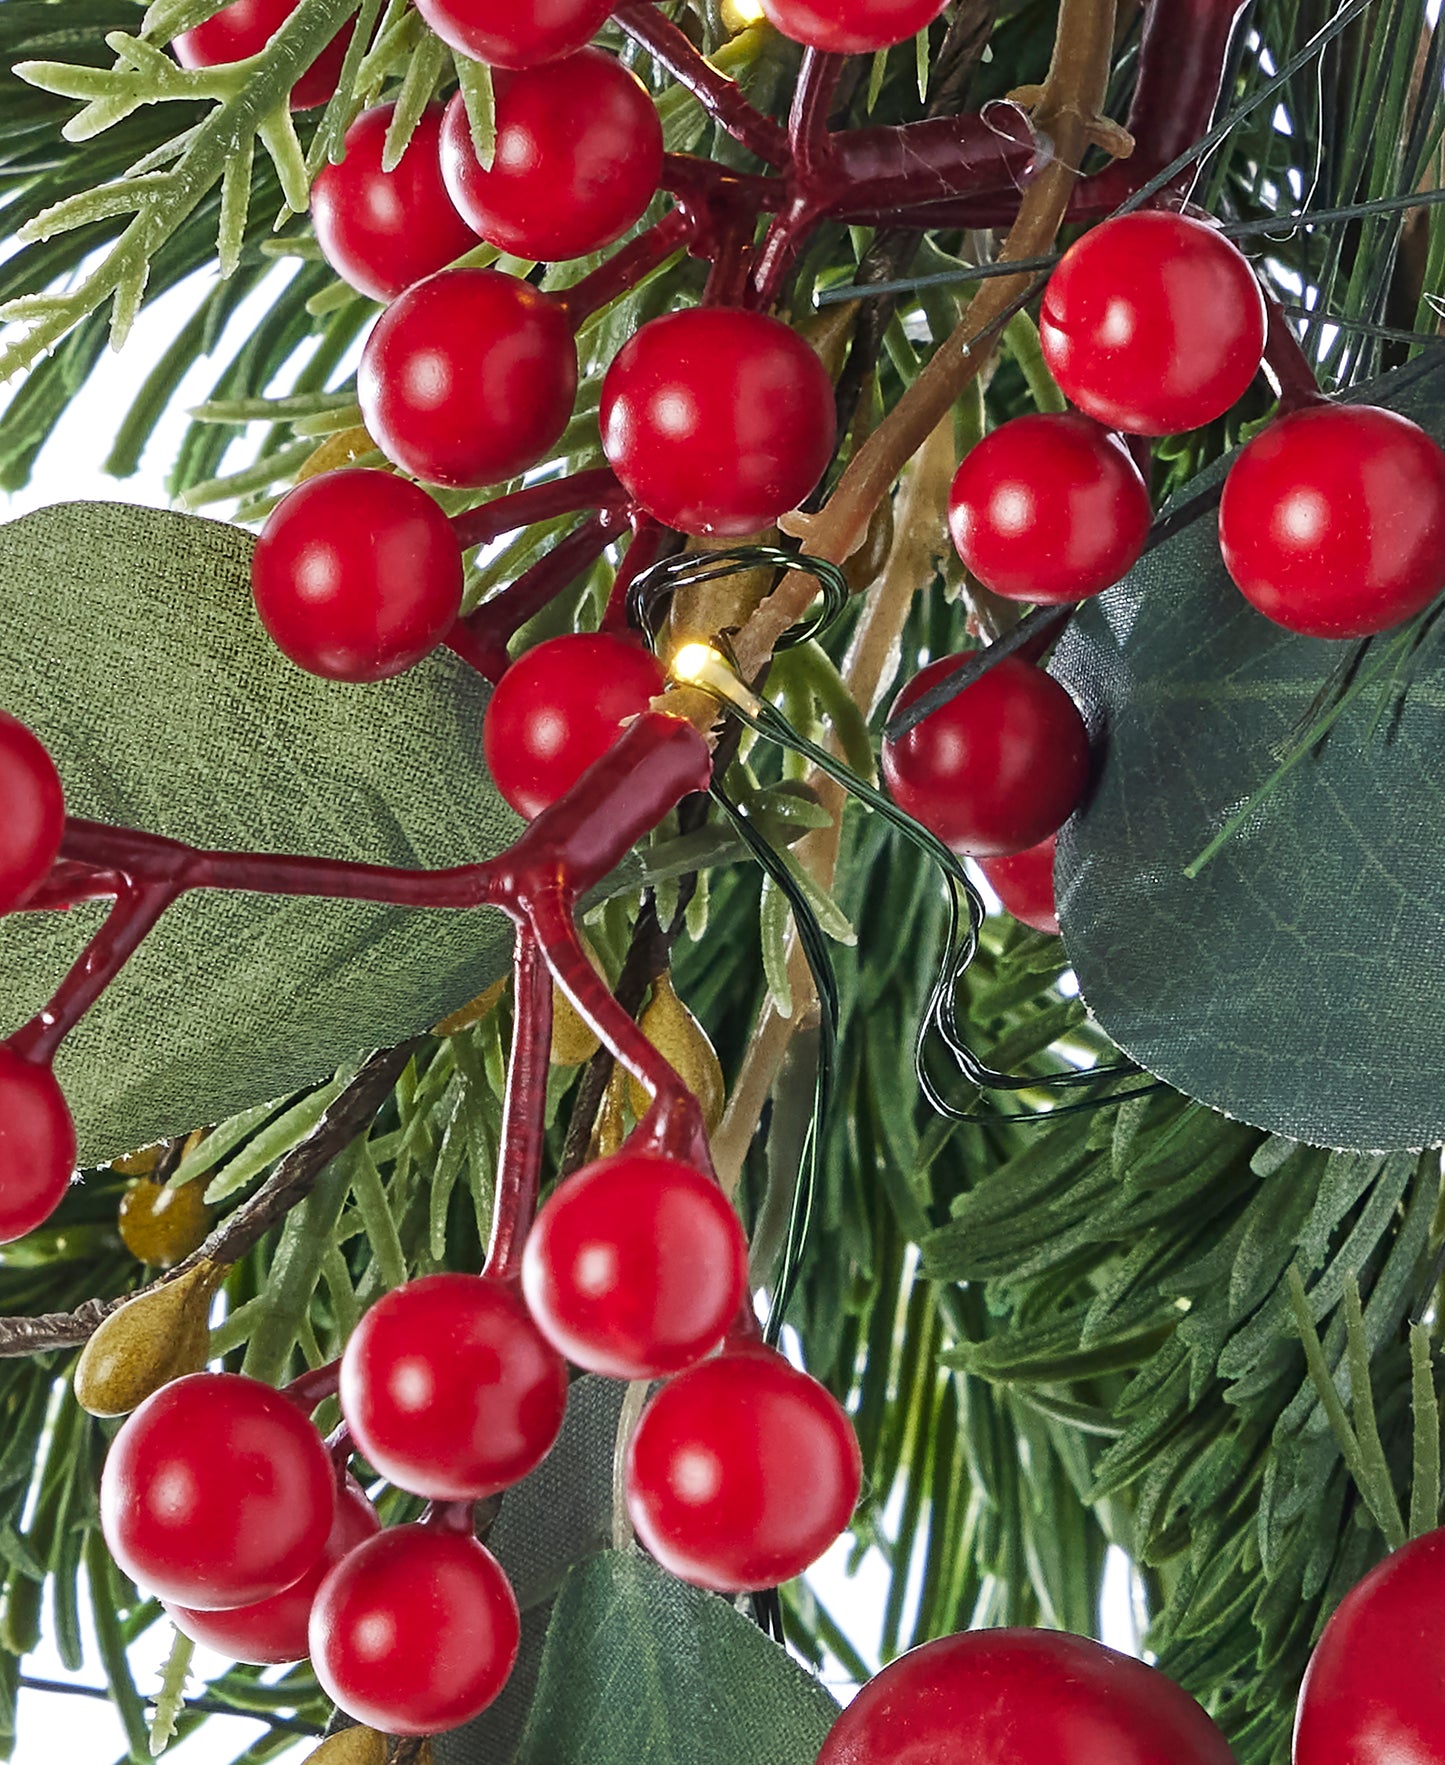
(1297,981)
(129,643)
(640,1666)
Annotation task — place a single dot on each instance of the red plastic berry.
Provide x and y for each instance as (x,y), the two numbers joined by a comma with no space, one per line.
(717,420)
(1022,1697)
(1332,521)
(1153,323)
(416,1631)
(742,1472)
(275,1630)
(33,822)
(998,768)
(468,378)
(560,707)
(635,1267)
(217,1492)
(450,1389)
(357,575)
(1373,1693)
(851,27)
(37,1145)
(578,158)
(506,34)
(244,28)
(382,231)
(1049,508)
(1024,882)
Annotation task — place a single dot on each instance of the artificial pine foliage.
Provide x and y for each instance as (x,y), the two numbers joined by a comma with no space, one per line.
(1153,1266)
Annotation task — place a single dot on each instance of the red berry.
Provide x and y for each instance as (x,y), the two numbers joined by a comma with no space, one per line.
(33,822)
(717,420)
(382,231)
(1022,1697)
(357,575)
(275,1630)
(468,378)
(851,27)
(37,1145)
(1373,1692)
(636,1266)
(1332,521)
(1024,882)
(578,158)
(998,768)
(244,28)
(416,1631)
(217,1492)
(508,34)
(1153,323)
(1049,508)
(742,1472)
(560,707)
(450,1389)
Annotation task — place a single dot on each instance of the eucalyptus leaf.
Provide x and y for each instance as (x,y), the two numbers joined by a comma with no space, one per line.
(129,643)
(639,1666)
(1297,981)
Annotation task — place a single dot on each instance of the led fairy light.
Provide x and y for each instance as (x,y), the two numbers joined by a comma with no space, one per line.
(742,15)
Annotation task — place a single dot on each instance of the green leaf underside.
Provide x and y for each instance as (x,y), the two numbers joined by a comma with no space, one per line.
(638,1666)
(129,643)
(1298,981)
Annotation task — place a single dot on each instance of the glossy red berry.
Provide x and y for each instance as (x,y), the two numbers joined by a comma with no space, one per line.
(37,1145)
(449,1388)
(33,822)
(468,378)
(1022,1697)
(560,707)
(717,420)
(1332,521)
(416,1631)
(357,575)
(742,1472)
(1024,882)
(578,158)
(506,34)
(382,231)
(999,767)
(217,1492)
(1373,1693)
(1049,508)
(851,27)
(636,1266)
(1153,323)
(243,29)
(275,1630)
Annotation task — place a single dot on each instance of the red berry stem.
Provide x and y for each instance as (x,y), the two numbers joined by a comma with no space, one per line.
(314,1387)
(1287,364)
(137,908)
(625,268)
(69,884)
(450,1516)
(648,538)
(721,97)
(812,177)
(701,185)
(597,489)
(482,637)
(524,1111)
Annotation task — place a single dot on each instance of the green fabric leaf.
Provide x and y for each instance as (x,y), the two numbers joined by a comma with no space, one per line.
(129,643)
(641,1667)
(1296,982)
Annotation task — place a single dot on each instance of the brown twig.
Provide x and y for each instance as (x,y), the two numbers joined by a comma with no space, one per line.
(291,1182)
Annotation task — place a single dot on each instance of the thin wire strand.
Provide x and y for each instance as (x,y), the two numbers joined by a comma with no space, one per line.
(653,588)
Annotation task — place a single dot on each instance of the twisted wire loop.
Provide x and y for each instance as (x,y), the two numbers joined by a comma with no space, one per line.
(653,588)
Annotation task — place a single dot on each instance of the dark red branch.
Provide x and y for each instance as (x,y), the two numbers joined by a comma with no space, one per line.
(721,97)
(524,1112)
(597,489)
(626,267)
(1287,364)
(939,159)
(482,637)
(314,1387)
(648,538)
(809,142)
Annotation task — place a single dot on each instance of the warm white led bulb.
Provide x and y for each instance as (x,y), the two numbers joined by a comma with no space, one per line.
(738,15)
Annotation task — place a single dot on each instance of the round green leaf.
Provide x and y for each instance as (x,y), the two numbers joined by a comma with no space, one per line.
(1296,982)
